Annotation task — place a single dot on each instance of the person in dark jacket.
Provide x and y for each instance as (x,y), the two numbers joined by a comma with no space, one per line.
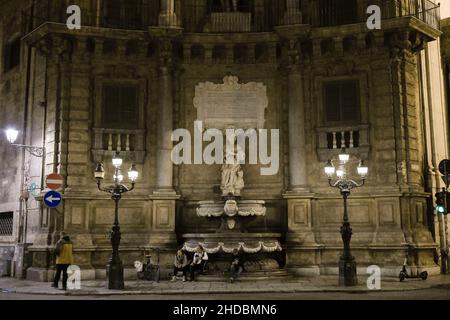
(236,265)
(180,264)
(64,258)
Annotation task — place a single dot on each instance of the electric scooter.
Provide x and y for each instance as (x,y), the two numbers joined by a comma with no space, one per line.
(404,273)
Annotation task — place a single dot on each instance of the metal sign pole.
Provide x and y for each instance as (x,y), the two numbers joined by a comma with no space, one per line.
(444,168)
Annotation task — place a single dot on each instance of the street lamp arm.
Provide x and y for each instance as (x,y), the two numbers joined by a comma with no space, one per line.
(35,151)
(109,189)
(346,185)
(132,187)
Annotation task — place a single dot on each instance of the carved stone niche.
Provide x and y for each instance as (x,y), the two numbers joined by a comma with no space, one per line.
(231,104)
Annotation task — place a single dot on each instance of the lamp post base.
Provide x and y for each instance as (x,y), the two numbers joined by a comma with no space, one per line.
(347,272)
(114,276)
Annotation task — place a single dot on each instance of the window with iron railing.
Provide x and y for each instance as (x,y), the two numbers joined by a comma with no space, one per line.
(6,223)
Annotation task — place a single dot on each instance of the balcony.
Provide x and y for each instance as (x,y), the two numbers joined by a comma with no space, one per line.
(130,144)
(198,17)
(331,140)
(129,15)
(325,13)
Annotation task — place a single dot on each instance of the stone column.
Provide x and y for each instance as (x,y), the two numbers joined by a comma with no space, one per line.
(164,197)
(167,15)
(297,139)
(301,244)
(165,121)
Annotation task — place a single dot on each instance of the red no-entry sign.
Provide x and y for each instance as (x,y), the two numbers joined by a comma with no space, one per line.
(54,181)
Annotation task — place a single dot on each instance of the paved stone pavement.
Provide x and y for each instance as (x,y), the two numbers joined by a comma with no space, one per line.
(307,284)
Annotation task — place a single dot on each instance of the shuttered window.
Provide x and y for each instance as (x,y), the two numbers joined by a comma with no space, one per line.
(342,101)
(11,55)
(6,223)
(120,106)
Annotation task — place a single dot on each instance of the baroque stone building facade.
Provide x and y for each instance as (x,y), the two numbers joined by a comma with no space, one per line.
(128,78)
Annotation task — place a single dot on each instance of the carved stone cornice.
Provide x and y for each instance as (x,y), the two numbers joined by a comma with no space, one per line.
(404,44)
(166,53)
(292,60)
(57,48)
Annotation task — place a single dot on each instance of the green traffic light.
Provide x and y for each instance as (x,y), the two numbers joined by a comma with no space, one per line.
(440,209)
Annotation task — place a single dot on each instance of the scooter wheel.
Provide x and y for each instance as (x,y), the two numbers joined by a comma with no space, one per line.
(424,275)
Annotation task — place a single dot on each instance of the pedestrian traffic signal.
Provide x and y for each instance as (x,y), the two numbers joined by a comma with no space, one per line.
(442,198)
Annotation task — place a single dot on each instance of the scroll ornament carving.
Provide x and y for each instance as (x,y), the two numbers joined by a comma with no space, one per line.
(241,246)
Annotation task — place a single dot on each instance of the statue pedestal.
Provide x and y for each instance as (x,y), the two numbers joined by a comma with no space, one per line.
(231,212)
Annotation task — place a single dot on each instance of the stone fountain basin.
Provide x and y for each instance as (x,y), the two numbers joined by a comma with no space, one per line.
(250,243)
(246,208)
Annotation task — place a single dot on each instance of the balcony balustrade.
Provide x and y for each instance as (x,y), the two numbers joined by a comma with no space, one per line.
(130,144)
(331,140)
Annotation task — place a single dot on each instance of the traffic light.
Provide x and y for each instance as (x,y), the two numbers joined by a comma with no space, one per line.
(442,198)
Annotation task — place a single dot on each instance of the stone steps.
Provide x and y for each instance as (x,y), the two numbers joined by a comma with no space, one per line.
(247,276)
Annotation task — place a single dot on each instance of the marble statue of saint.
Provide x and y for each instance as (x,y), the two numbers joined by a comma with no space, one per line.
(232,179)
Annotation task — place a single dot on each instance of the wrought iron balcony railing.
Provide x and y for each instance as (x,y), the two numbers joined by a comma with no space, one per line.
(195,16)
(339,12)
(130,14)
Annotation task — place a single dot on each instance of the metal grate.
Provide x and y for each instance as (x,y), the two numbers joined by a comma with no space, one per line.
(6,223)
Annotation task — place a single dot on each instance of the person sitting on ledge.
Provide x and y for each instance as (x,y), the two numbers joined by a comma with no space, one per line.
(236,266)
(180,264)
(199,261)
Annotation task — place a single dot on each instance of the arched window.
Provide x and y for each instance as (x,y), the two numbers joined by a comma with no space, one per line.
(11,57)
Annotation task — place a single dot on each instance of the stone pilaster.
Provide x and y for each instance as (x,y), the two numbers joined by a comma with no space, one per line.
(57,51)
(413,200)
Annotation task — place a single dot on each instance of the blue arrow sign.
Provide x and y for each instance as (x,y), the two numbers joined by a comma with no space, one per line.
(52,199)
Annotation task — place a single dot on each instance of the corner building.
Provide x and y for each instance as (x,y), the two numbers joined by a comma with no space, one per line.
(128,78)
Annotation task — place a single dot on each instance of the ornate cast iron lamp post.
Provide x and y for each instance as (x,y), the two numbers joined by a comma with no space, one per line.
(347,263)
(114,269)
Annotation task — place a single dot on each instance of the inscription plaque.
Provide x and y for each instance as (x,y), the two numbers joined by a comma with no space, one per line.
(231,104)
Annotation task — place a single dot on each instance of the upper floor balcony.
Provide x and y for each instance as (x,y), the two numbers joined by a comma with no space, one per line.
(226,16)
